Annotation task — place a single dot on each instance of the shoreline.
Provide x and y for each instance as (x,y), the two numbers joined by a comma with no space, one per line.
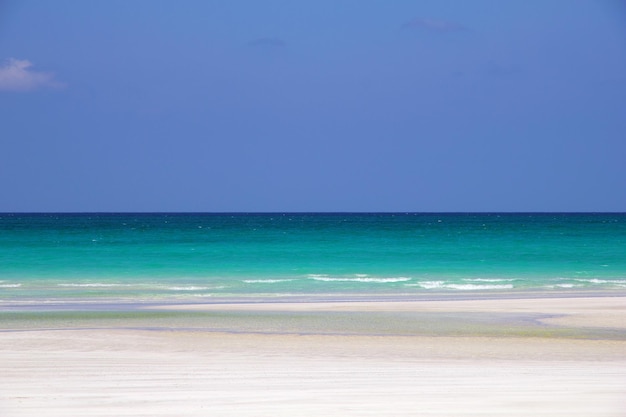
(132,303)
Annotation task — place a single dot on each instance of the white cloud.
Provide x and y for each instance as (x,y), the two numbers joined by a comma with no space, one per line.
(17,75)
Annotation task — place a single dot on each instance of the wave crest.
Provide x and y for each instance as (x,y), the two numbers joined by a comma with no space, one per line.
(429,285)
(94,284)
(366,280)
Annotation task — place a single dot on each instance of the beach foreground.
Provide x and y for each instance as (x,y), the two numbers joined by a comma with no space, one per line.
(513,357)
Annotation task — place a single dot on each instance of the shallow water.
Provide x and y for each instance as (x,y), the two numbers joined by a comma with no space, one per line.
(197,257)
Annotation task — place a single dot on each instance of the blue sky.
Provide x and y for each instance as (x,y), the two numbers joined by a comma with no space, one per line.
(339,105)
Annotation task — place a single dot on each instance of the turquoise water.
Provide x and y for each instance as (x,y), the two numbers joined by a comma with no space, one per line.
(203,256)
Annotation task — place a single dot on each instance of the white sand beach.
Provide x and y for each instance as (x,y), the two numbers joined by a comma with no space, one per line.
(529,368)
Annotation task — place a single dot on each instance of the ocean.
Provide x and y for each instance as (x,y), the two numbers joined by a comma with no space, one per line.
(211,257)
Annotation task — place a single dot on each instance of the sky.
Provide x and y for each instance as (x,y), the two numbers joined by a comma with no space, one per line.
(325,105)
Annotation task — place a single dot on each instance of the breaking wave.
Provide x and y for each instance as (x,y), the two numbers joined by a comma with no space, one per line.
(95,284)
(359,279)
(489,279)
(564,285)
(187,288)
(603,281)
(429,285)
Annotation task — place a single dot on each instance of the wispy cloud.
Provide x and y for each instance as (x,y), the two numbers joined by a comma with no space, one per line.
(434,25)
(18,75)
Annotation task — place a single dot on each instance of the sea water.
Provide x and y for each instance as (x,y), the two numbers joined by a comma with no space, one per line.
(199,257)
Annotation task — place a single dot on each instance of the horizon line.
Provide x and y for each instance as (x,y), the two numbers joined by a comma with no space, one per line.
(242,212)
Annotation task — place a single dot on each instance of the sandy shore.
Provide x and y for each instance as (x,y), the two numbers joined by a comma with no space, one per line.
(514,357)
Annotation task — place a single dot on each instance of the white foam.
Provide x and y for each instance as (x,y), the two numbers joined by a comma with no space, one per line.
(489,279)
(265,281)
(429,285)
(187,288)
(10,285)
(603,281)
(367,280)
(566,285)
(94,284)
(472,287)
